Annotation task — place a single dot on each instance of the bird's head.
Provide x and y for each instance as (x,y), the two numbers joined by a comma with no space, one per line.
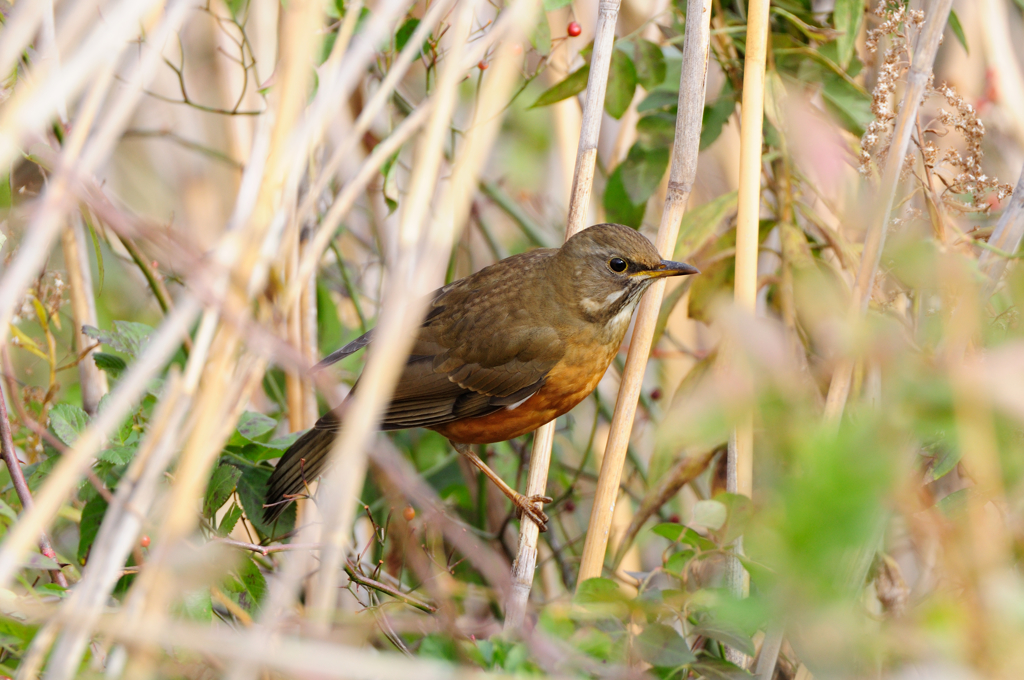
(611,266)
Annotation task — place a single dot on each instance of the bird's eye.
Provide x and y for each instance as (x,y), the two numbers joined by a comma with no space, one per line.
(617,264)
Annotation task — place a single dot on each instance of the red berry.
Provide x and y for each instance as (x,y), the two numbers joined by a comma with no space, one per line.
(409,513)
(482,65)
(674,519)
(569,505)
(656,394)
(144,541)
(574,28)
(517,49)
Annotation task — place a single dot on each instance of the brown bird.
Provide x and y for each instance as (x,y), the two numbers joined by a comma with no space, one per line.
(503,351)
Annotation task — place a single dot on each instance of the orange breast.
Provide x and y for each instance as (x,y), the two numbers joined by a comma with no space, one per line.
(568,383)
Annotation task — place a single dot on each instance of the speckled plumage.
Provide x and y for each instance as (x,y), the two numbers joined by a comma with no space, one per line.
(504,350)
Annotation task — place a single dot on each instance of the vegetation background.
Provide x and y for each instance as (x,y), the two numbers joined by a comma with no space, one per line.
(200,200)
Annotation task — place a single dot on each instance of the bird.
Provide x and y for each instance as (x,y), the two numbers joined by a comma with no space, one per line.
(502,352)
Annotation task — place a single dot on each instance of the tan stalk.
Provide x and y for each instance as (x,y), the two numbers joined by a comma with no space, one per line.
(917,81)
(35,249)
(354,187)
(692,85)
(92,380)
(1006,237)
(1003,65)
(392,337)
(740,464)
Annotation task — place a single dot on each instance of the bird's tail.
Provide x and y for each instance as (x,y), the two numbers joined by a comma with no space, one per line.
(301,463)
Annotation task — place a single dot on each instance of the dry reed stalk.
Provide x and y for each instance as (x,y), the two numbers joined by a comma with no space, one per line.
(1003,64)
(1006,237)
(579,203)
(28,110)
(393,336)
(136,494)
(748,214)
(10,457)
(19,29)
(354,187)
(83,157)
(692,85)
(92,380)
(917,81)
(291,656)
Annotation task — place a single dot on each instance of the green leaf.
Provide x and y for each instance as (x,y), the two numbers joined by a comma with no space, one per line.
(219,490)
(740,509)
(552,5)
(657,100)
(716,116)
(6,195)
(541,38)
(680,533)
(648,60)
(118,455)
(597,590)
(92,517)
(851,105)
(405,32)
(710,514)
(725,635)
(67,422)
(252,489)
(617,206)
(573,84)
(661,645)
(390,189)
(40,562)
(196,605)
(700,224)
(622,82)
(7,512)
(237,8)
(111,363)
(847,19)
(642,172)
(231,517)
(252,425)
(958,30)
(657,130)
(127,336)
(254,582)
(711,668)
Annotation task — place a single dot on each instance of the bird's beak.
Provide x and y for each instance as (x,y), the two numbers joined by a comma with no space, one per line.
(669,268)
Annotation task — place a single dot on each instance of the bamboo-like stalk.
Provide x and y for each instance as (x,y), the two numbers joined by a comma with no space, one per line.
(392,338)
(927,46)
(740,462)
(10,457)
(92,380)
(692,85)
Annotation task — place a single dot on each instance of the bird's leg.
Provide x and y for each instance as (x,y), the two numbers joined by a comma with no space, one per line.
(525,505)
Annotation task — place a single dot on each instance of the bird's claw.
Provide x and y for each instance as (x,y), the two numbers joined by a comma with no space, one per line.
(525,506)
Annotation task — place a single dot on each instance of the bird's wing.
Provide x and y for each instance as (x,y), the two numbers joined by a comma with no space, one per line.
(461,365)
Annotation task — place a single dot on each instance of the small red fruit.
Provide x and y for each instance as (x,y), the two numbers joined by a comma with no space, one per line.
(482,65)
(409,513)
(144,541)
(574,29)
(656,394)
(517,49)
(674,519)
(569,505)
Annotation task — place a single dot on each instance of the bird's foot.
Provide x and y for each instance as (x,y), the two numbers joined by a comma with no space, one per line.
(528,506)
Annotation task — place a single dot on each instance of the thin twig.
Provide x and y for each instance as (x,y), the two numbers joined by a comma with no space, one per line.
(21,486)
